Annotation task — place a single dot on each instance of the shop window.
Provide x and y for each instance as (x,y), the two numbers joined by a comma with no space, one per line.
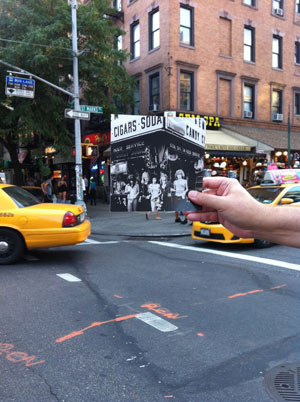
(278,6)
(277,52)
(154,29)
(297,52)
(297,104)
(186,25)
(249,44)
(186,91)
(248,107)
(135,40)
(277,105)
(154,92)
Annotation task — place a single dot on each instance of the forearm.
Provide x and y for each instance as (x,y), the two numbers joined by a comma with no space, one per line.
(278,225)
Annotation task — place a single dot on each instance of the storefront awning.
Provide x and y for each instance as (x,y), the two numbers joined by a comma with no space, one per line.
(222,141)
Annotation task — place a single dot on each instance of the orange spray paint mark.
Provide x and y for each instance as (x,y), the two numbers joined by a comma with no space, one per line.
(200,334)
(255,291)
(162,311)
(118,297)
(16,357)
(94,324)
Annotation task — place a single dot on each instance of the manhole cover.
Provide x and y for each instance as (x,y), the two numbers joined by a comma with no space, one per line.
(283,382)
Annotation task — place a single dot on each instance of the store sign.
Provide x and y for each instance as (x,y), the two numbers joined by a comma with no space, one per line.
(97,138)
(228,147)
(212,122)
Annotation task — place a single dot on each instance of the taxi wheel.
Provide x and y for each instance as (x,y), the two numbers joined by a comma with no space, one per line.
(262,243)
(12,246)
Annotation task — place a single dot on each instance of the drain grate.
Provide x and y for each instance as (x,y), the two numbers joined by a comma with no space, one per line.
(283,382)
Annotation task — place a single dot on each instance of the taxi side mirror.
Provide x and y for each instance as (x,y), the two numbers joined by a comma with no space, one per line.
(286,201)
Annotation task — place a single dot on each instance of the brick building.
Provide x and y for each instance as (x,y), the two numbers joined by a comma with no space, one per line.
(235,61)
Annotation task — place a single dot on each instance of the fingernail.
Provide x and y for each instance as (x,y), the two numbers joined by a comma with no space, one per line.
(193,194)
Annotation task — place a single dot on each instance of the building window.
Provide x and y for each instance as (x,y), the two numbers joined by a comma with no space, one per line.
(135,40)
(251,3)
(249,45)
(154,29)
(278,7)
(248,107)
(186,91)
(119,47)
(297,104)
(137,98)
(277,52)
(297,52)
(277,105)
(298,6)
(186,25)
(117,4)
(154,92)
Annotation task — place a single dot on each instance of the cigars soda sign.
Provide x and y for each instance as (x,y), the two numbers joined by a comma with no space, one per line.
(155,161)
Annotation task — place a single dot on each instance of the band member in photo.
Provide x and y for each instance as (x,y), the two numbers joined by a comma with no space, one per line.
(132,190)
(118,195)
(166,191)
(180,186)
(144,198)
(155,193)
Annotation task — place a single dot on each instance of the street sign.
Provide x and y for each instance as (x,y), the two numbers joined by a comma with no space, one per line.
(17,86)
(75,114)
(91,109)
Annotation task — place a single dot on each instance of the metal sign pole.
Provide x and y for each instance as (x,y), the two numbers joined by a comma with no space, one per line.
(78,160)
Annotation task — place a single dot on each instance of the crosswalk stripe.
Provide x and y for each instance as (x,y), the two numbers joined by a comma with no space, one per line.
(69,277)
(267,261)
(156,322)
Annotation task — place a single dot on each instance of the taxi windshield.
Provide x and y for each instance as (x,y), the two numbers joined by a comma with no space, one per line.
(21,197)
(265,195)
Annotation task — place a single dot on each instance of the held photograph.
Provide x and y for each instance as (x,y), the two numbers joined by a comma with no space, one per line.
(155,162)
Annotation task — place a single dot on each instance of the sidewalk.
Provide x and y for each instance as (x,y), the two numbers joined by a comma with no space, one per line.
(134,224)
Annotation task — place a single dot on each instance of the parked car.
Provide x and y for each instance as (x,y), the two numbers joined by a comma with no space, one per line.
(26,224)
(286,192)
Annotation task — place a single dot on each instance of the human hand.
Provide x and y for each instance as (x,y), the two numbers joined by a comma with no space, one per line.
(227,202)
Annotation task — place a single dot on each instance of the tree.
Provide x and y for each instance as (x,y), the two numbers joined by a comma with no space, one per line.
(36,36)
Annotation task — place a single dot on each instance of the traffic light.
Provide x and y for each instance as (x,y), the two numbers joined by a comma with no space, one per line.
(88,151)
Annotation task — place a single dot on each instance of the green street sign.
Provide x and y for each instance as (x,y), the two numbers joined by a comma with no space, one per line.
(91,109)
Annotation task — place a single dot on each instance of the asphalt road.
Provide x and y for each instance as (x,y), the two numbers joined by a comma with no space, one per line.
(147,321)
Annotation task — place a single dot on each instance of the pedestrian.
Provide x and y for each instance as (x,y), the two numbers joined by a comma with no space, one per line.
(155,192)
(62,188)
(46,187)
(178,219)
(225,201)
(92,191)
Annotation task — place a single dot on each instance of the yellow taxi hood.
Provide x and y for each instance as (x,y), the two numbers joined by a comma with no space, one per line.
(76,209)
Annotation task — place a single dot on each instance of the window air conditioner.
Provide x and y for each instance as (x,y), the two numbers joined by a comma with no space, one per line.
(248,115)
(278,11)
(277,117)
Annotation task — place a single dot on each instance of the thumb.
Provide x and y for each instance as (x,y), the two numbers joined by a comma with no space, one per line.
(207,200)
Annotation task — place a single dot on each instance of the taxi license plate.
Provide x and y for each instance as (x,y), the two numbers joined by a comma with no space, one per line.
(205,232)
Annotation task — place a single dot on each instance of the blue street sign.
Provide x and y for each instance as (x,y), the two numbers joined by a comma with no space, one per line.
(17,86)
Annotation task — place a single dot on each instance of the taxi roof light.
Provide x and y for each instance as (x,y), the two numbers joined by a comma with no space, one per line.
(281,176)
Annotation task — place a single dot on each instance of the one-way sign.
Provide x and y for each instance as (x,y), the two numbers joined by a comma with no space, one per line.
(75,114)
(17,86)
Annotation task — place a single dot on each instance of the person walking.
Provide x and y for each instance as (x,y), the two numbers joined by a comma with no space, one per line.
(46,187)
(92,191)
(62,189)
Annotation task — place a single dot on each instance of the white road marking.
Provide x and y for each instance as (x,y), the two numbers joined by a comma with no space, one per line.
(156,322)
(91,241)
(69,277)
(246,257)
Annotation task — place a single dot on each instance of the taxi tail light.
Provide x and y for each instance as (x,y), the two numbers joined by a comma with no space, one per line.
(69,219)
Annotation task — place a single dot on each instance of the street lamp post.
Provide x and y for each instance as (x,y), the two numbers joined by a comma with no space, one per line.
(78,156)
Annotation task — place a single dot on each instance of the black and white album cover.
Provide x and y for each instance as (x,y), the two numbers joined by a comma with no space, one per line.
(155,162)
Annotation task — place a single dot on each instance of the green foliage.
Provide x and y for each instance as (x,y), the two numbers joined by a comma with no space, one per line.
(36,36)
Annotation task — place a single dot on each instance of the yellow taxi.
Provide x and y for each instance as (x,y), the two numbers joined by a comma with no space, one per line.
(26,224)
(279,187)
